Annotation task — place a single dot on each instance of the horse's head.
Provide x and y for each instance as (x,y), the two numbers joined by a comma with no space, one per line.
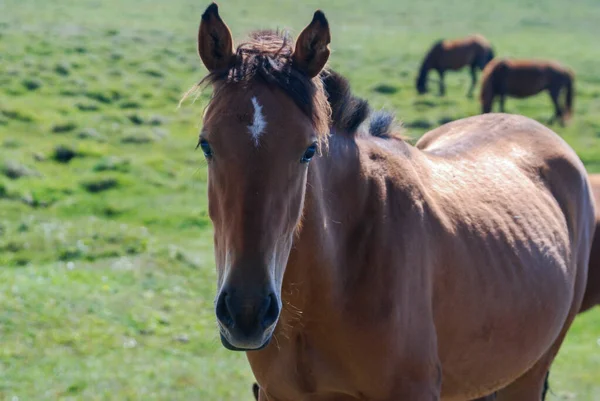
(422,83)
(266,120)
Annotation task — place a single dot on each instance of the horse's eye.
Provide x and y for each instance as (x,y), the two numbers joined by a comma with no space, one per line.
(206,148)
(309,153)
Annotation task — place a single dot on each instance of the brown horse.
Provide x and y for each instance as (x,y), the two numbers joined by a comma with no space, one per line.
(473,51)
(354,266)
(524,78)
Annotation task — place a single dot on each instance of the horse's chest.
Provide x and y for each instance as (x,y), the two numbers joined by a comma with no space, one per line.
(303,370)
(327,365)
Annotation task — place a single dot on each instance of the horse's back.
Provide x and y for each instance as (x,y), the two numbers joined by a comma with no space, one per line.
(516,208)
(506,141)
(500,134)
(454,54)
(523,78)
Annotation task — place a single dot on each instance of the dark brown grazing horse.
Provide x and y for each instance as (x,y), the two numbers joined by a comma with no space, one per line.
(354,266)
(451,55)
(524,78)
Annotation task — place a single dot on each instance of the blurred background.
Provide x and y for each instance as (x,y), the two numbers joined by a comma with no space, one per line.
(106,264)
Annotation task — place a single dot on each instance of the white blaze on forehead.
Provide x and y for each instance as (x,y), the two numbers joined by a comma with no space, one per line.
(258,122)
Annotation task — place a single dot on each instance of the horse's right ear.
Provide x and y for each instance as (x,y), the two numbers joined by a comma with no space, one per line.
(215,44)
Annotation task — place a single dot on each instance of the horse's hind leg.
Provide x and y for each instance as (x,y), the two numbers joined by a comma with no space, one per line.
(473,80)
(502,99)
(493,397)
(528,387)
(546,386)
(558,114)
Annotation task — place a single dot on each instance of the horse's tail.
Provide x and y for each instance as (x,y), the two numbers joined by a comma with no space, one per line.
(569,96)
(426,65)
(486,96)
(488,55)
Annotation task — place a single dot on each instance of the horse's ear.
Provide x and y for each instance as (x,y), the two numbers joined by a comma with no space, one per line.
(312,47)
(215,44)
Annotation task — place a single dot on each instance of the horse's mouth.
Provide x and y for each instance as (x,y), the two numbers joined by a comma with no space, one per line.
(227,344)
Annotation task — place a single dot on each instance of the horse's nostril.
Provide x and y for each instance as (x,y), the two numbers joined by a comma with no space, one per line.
(247,316)
(271,312)
(223,310)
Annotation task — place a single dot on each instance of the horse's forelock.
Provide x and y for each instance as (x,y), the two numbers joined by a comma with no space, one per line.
(267,57)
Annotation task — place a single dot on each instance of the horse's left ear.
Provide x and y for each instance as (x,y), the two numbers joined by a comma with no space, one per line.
(312,47)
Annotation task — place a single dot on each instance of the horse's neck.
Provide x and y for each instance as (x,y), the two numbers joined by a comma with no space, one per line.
(425,67)
(311,268)
(338,198)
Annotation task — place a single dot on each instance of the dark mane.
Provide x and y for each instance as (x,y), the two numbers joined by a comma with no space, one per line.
(267,57)
(381,125)
(348,112)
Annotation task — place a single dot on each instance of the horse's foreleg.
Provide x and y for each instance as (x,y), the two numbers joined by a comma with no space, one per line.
(442,85)
(502,99)
(416,392)
(420,383)
(259,394)
(490,397)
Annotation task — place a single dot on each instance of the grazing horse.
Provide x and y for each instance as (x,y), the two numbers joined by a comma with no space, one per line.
(524,78)
(473,51)
(354,266)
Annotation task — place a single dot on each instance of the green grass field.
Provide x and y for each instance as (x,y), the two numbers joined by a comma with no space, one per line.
(107,278)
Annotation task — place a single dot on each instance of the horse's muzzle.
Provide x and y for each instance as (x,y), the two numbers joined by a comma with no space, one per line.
(246,322)
(231,347)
